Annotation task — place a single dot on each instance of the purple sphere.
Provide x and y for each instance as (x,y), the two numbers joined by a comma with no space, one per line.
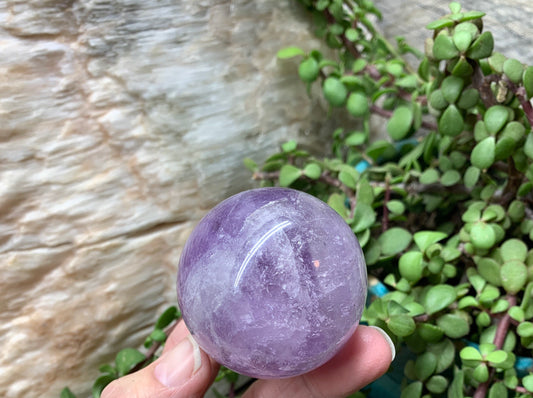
(272,282)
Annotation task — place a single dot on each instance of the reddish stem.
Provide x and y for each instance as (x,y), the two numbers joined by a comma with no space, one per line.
(499,338)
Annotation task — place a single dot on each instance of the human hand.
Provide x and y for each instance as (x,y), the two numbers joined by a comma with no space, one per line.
(185,371)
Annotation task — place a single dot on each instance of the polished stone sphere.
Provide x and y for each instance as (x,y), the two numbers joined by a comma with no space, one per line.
(272,282)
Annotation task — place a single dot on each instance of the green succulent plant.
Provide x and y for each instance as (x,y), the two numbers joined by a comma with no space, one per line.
(442,207)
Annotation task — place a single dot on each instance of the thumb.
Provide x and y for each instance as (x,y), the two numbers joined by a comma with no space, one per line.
(183,371)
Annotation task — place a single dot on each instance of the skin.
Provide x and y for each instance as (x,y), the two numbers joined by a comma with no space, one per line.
(364,358)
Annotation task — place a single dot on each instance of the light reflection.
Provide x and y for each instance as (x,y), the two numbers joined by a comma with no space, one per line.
(256,247)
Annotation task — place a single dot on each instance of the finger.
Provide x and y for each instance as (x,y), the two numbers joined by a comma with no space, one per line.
(183,370)
(364,358)
(177,335)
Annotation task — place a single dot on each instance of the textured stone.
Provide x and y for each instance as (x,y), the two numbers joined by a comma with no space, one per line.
(272,282)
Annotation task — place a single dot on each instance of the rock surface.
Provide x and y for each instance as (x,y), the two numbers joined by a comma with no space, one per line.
(121,123)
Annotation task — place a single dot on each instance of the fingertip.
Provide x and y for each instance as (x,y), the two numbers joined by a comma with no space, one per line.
(387,338)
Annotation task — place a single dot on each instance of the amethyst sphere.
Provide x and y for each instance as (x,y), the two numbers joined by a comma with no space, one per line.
(272,282)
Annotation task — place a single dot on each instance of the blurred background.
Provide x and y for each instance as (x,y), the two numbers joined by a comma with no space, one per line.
(121,123)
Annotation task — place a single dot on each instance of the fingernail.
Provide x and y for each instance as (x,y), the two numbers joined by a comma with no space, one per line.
(176,367)
(389,340)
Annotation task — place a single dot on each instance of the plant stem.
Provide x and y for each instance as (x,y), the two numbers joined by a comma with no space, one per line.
(499,339)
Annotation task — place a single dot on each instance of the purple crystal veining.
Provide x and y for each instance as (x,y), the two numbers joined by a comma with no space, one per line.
(272,282)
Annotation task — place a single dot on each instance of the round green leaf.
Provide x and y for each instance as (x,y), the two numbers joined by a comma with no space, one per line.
(528,81)
(359,65)
(445,353)
(517,313)
(429,332)
(400,123)
(496,61)
(496,357)
(437,100)
(513,275)
(504,148)
(357,104)
(481,373)
(126,359)
(455,7)
(337,202)
(444,48)
(158,335)
(462,39)
(394,241)
(437,384)
(480,131)
(308,70)
(334,91)
(484,153)
(289,146)
(429,176)
(527,382)
(410,266)
(471,176)
(355,139)
(461,68)
(468,98)
(401,324)
(495,118)
(467,301)
(451,121)
(439,24)
(450,177)
(413,390)
(452,87)
(470,354)
(312,170)
(514,130)
(167,317)
(516,211)
(101,383)
(439,297)
(513,249)
(490,270)
(497,390)
(424,239)
(288,174)
(396,206)
(250,164)
(453,325)
(482,235)
(467,27)
(352,34)
(425,365)
(348,178)
(482,46)
(525,329)
(289,52)
(513,69)
(67,393)
(528,146)
(364,217)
